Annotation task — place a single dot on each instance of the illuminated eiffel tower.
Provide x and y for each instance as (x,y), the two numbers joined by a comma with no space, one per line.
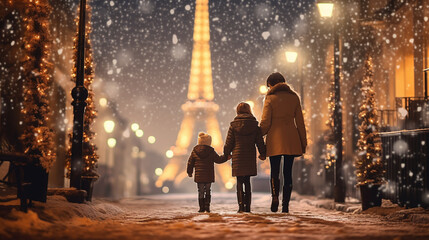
(199,108)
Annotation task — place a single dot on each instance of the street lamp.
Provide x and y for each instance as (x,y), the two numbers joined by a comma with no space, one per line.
(292,57)
(326,11)
(111,143)
(79,94)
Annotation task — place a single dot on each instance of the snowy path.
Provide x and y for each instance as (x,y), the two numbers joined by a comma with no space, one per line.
(175,217)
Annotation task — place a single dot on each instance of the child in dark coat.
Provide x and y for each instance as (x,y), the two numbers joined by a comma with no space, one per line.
(243,135)
(202,158)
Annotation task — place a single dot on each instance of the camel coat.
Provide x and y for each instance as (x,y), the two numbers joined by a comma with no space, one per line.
(283,123)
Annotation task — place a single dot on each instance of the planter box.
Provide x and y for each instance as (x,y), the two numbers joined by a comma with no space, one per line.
(371,196)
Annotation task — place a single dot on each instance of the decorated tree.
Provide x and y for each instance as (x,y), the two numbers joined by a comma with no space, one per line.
(38,136)
(89,153)
(369,168)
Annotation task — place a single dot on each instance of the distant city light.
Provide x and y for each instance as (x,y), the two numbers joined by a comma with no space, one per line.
(158,171)
(169,154)
(103,102)
(165,189)
(111,142)
(229,185)
(135,127)
(151,139)
(139,133)
(263,89)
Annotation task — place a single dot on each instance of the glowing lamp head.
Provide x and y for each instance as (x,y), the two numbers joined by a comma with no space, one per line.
(109,126)
(326,9)
(291,56)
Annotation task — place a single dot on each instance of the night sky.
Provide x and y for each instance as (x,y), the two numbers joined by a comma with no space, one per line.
(143,55)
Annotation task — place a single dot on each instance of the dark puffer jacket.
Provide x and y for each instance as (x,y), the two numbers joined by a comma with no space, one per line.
(243,134)
(202,159)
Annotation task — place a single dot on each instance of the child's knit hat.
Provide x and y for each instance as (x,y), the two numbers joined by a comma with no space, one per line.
(204,139)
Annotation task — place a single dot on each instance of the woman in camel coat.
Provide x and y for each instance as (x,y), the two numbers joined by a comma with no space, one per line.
(283,123)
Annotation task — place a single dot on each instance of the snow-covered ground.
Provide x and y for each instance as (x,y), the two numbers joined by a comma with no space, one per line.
(174,216)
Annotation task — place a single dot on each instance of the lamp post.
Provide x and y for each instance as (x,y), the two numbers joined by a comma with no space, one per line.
(109,127)
(292,57)
(326,9)
(79,94)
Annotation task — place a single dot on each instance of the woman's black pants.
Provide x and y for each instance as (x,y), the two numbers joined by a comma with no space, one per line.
(287,176)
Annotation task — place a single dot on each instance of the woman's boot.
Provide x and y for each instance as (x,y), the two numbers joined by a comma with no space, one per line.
(287,191)
(207,201)
(275,194)
(201,203)
(240,201)
(247,201)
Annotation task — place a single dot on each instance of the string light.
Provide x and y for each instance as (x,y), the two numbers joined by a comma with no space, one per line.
(89,153)
(37,137)
(330,150)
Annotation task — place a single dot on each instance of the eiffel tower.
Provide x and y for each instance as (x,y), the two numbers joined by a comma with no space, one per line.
(199,108)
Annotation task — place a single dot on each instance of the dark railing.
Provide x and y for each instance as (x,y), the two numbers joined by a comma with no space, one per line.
(406,160)
(388,120)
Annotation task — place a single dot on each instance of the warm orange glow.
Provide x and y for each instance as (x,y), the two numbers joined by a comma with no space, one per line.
(404,76)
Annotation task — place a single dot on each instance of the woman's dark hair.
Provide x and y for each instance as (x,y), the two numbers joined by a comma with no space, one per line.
(243,108)
(275,78)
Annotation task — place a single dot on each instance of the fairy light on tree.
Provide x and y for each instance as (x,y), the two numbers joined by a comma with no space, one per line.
(89,153)
(38,136)
(369,168)
(330,152)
